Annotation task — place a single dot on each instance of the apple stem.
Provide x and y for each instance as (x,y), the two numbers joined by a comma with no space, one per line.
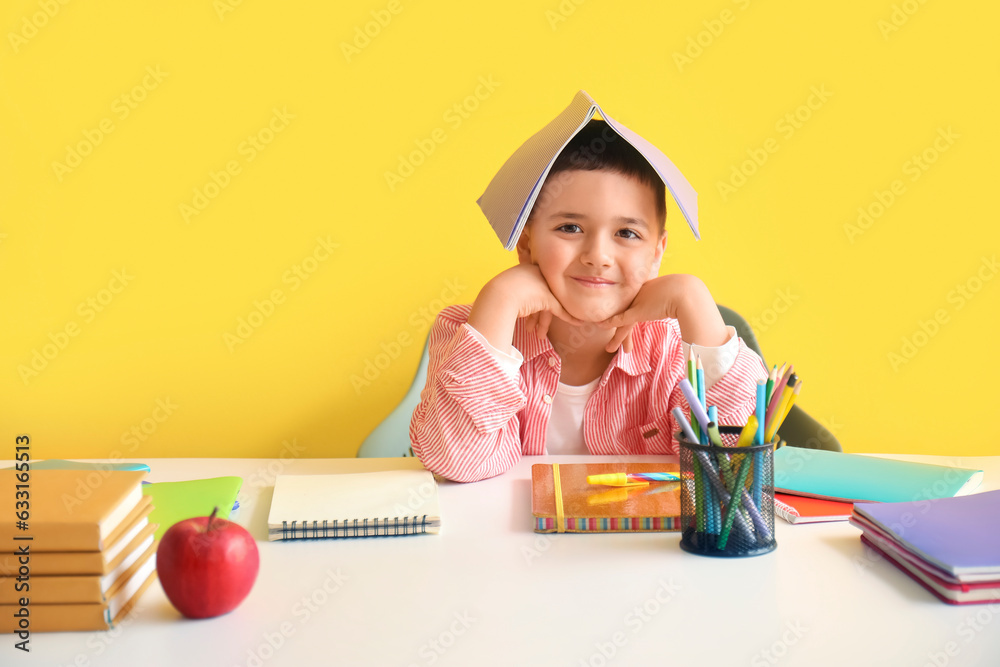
(210,518)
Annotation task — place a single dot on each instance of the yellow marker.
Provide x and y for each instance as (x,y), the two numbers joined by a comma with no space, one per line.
(632,479)
(748,432)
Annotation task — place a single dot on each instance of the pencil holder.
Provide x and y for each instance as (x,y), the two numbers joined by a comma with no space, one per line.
(715,521)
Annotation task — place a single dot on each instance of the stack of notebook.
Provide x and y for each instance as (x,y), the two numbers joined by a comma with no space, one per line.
(84,553)
(951,546)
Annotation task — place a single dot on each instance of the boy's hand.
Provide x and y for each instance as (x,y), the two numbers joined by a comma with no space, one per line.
(520,291)
(679,296)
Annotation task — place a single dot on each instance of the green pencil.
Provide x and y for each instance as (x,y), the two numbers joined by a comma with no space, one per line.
(734,503)
(693,379)
(771,379)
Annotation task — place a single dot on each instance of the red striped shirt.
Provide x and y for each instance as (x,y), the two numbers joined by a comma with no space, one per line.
(475,421)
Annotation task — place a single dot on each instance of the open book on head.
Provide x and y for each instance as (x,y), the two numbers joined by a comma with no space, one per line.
(509,197)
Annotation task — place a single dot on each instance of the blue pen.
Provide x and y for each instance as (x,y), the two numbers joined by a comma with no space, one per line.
(758,459)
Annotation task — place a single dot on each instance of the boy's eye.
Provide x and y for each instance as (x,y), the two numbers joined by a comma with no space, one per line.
(569,228)
(631,233)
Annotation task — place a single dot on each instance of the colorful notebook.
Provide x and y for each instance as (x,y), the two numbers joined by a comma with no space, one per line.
(70,510)
(803,509)
(563,501)
(853,477)
(176,501)
(368,504)
(960,536)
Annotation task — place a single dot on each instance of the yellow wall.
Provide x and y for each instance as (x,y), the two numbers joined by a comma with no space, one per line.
(159,101)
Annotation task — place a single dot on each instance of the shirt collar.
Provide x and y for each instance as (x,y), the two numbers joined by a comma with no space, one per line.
(635,362)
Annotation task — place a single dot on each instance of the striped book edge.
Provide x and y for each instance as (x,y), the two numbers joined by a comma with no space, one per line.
(625,524)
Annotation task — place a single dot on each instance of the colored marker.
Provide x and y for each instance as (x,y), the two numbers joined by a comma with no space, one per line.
(632,478)
(761,410)
(697,407)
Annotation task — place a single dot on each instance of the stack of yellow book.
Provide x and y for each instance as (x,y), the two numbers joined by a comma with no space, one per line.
(78,550)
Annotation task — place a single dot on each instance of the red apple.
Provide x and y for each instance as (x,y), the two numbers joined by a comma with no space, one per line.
(207,565)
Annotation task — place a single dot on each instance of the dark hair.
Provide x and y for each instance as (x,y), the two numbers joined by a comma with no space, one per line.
(598,147)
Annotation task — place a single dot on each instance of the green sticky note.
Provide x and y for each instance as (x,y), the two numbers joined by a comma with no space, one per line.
(176,501)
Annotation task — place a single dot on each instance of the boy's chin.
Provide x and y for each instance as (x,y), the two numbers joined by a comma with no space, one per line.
(591,315)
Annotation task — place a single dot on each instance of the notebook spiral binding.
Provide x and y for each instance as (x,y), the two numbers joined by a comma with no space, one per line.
(415,525)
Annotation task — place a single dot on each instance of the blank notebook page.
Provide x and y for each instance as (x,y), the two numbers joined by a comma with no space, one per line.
(391,494)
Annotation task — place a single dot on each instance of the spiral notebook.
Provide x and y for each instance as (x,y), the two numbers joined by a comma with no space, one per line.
(368,504)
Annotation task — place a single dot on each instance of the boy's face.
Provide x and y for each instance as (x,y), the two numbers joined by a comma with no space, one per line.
(595,238)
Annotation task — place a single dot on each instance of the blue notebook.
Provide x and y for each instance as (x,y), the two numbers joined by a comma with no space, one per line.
(852,477)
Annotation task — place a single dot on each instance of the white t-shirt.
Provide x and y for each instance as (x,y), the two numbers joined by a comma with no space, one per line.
(564,433)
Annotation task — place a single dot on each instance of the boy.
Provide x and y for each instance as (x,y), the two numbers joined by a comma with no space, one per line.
(579,348)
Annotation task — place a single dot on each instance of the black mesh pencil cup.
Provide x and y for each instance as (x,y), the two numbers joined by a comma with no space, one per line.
(715,521)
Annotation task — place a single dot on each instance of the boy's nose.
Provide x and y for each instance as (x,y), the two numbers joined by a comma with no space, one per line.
(597,252)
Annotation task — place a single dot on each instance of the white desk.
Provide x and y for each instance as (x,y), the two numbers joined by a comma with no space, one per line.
(489,591)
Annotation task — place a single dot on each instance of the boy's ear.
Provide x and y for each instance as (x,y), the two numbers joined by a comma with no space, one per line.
(661,246)
(523,248)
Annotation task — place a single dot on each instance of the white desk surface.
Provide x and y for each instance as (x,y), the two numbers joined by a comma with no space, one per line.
(489,591)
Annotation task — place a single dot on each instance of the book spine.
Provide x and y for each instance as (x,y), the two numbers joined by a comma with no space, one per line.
(46,537)
(306,530)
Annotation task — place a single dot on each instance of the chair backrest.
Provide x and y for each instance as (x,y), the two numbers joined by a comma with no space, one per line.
(392,437)
(798,429)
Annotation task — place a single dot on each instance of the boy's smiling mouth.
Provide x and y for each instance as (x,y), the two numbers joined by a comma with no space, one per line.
(593,282)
